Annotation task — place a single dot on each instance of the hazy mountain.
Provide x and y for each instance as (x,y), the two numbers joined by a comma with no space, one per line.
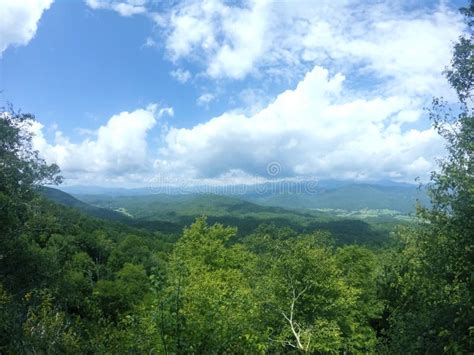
(325,194)
(109,191)
(349,197)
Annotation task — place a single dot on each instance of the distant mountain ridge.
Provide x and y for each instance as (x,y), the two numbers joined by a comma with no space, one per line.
(325,194)
(350,198)
(269,187)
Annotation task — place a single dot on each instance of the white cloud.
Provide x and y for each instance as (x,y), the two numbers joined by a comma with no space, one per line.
(150,42)
(117,149)
(124,8)
(363,123)
(166,111)
(19,21)
(382,40)
(282,38)
(317,129)
(409,52)
(245,30)
(205,99)
(181,75)
(232,38)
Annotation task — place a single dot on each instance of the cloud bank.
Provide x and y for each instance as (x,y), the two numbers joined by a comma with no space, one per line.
(358,76)
(117,150)
(318,130)
(380,39)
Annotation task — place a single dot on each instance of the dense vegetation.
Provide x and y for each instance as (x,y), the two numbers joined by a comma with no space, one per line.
(171,213)
(72,283)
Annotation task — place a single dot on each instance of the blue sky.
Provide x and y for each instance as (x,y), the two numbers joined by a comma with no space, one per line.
(140,92)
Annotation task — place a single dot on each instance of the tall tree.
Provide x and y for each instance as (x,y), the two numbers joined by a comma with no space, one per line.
(433,304)
(21,172)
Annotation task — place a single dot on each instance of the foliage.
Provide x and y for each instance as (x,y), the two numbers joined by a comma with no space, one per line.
(430,284)
(171,213)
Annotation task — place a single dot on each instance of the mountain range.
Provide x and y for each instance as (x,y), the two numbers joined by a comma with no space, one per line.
(324,195)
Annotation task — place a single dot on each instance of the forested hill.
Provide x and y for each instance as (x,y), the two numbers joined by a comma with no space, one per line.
(171,213)
(66,199)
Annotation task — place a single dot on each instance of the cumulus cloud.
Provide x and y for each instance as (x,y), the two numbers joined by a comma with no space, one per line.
(408,51)
(317,129)
(379,39)
(282,38)
(124,8)
(403,44)
(231,37)
(181,75)
(364,70)
(360,125)
(116,149)
(19,21)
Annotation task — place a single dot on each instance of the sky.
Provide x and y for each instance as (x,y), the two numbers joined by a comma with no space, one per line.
(147,92)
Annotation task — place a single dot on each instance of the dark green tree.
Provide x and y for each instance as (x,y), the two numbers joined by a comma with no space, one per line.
(21,172)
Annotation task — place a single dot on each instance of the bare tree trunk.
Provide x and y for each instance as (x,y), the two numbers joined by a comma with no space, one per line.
(295,327)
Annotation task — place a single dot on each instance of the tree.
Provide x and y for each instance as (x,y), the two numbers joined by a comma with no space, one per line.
(22,169)
(119,296)
(49,331)
(21,172)
(207,304)
(432,299)
(309,303)
(461,72)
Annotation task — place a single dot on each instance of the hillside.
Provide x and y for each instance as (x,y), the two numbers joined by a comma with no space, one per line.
(171,213)
(66,199)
